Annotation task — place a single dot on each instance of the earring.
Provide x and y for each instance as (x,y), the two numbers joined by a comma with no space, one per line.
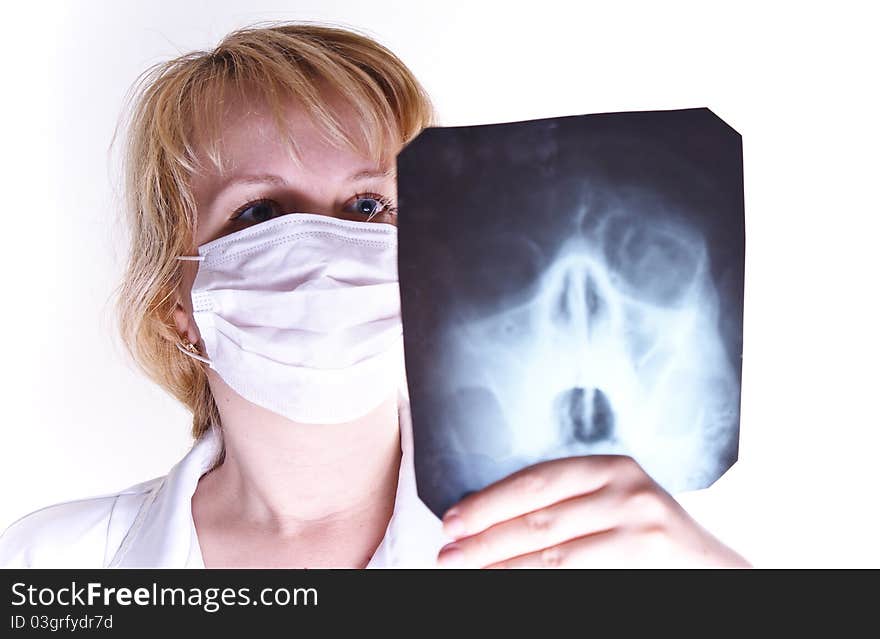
(189,346)
(191,350)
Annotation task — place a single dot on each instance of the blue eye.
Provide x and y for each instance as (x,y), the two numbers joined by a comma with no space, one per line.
(257,211)
(373,204)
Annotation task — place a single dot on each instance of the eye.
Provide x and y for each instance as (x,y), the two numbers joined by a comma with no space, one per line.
(257,211)
(371,205)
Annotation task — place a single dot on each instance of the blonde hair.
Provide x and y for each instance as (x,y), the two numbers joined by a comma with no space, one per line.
(175,112)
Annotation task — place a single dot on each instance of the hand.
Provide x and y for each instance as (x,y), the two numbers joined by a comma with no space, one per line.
(578,512)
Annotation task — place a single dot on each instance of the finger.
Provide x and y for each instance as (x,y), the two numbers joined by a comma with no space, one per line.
(530,489)
(543,528)
(599,550)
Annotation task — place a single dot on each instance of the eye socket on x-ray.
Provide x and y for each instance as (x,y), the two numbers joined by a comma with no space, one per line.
(655,263)
(490,281)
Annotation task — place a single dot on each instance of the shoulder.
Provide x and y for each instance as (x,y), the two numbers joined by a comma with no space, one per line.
(82,533)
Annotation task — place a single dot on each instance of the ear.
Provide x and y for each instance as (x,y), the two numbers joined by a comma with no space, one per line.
(186,325)
(183,311)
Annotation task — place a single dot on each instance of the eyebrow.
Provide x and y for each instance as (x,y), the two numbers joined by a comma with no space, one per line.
(268,178)
(372,173)
(255,179)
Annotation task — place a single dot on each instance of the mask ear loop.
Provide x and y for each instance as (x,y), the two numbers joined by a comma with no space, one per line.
(188,348)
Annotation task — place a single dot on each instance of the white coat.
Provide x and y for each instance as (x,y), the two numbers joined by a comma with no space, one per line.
(150,525)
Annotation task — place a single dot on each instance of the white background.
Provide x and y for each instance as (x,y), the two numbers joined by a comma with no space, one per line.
(796,80)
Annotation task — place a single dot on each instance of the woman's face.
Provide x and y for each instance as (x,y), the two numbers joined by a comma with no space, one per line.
(262,182)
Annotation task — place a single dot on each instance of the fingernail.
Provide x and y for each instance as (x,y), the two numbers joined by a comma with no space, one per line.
(453,524)
(451,555)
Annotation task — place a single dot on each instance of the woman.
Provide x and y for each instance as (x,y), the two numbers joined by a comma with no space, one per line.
(261,292)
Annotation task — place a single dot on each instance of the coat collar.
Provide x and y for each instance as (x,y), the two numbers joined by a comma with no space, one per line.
(163,533)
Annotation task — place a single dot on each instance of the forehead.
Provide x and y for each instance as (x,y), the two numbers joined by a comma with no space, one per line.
(247,133)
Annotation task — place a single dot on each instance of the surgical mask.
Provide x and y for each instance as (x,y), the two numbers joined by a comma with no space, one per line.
(301,315)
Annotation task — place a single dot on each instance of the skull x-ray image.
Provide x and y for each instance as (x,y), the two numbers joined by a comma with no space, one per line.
(572,286)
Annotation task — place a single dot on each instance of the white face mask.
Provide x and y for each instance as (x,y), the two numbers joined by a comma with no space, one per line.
(301,315)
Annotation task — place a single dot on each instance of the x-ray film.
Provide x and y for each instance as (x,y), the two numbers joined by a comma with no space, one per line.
(573,286)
